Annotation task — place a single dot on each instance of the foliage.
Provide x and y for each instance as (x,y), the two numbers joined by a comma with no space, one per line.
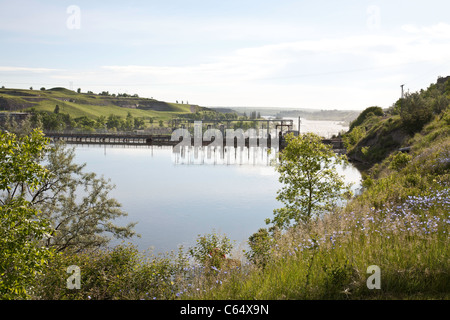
(22,227)
(122,272)
(260,243)
(211,249)
(83,223)
(415,111)
(351,138)
(76,203)
(312,185)
(368,112)
(399,161)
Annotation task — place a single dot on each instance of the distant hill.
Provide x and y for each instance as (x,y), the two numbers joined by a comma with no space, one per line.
(89,104)
(345,116)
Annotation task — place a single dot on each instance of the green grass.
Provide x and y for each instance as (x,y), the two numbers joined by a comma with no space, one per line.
(90,105)
(94,111)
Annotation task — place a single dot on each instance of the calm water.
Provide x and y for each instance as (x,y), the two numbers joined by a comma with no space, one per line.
(173,201)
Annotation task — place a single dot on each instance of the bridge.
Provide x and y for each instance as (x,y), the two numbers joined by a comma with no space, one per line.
(140,139)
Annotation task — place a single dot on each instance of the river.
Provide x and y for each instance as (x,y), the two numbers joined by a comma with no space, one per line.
(175,201)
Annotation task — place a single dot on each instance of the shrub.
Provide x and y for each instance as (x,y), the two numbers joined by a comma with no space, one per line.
(118,273)
(415,112)
(399,161)
(211,250)
(367,113)
(353,137)
(260,244)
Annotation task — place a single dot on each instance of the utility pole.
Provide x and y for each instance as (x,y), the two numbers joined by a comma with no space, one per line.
(401,100)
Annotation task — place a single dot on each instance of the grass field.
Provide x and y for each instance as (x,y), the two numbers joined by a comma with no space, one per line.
(89,105)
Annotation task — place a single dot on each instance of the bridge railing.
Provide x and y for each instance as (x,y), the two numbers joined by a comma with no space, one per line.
(154,131)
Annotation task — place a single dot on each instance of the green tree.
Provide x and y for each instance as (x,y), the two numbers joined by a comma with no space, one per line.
(22,227)
(415,111)
(139,123)
(114,121)
(56,109)
(77,203)
(129,122)
(100,122)
(211,249)
(80,222)
(312,185)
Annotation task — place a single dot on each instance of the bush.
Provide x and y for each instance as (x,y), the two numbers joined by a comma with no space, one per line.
(353,137)
(367,113)
(415,112)
(211,250)
(119,273)
(260,244)
(399,161)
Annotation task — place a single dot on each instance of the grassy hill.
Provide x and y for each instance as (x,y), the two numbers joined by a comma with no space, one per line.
(377,134)
(89,104)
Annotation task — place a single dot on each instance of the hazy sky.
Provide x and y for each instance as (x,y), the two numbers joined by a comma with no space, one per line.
(305,54)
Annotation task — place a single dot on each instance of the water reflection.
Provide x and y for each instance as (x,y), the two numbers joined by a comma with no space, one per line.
(173,203)
(224,155)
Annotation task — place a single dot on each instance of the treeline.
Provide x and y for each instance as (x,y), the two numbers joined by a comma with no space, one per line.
(215,115)
(210,115)
(238,121)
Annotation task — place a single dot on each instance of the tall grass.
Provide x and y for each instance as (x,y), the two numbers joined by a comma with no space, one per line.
(329,257)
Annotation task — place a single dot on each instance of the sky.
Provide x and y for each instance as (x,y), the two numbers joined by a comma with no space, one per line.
(345,55)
